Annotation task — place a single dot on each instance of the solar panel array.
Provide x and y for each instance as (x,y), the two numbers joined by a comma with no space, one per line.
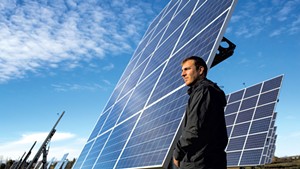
(269,149)
(139,123)
(250,120)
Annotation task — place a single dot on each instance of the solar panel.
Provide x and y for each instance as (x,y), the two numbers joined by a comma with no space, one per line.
(61,162)
(65,164)
(250,120)
(140,121)
(50,163)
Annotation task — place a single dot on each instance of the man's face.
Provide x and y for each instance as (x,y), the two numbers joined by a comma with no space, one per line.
(189,72)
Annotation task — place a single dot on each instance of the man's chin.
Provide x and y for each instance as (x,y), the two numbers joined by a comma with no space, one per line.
(188,84)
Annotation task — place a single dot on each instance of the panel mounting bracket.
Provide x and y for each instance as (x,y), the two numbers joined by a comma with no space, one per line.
(223,53)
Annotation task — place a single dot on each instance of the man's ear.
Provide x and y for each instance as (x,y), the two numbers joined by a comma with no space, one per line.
(201,70)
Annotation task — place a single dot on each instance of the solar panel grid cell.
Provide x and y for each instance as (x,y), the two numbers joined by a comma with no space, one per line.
(272,84)
(153,25)
(244,116)
(229,129)
(140,95)
(167,18)
(236,143)
(236,96)
(95,150)
(115,143)
(128,70)
(115,95)
(249,103)
(252,91)
(256,141)
(233,158)
(114,114)
(263,158)
(230,119)
(262,125)
(163,51)
(83,154)
(202,43)
(134,78)
(99,125)
(251,157)
(139,51)
(231,108)
(151,46)
(264,111)
(268,97)
(240,129)
(169,81)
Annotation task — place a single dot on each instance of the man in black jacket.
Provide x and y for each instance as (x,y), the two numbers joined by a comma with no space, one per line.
(204,135)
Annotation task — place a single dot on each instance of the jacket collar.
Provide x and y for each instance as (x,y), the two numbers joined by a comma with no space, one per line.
(195,85)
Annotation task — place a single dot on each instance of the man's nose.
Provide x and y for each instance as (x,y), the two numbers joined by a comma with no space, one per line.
(183,73)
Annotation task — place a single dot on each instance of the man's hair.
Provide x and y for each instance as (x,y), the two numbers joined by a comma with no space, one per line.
(198,62)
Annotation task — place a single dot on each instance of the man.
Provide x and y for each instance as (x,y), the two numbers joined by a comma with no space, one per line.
(204,135)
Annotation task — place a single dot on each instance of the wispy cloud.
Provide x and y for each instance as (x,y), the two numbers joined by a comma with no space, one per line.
(36,35)
(246,23)
(277,32)
(260,18)
(62,142)
(108,67)
(295,26)
(285,11)
(244,61)
(64,87)
(107,82)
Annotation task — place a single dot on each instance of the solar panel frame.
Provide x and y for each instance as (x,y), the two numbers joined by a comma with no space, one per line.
(129,83)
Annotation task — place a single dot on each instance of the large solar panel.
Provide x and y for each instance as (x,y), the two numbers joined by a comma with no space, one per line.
(140,121)
(250,120)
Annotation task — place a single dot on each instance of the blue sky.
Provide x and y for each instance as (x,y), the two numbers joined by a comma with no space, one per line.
(68,56)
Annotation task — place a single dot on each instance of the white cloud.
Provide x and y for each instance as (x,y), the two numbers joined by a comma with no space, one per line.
(64,87)
(61,143)
(277,32)
(244,61)
(286,10)
(108,67)
(235,18)
(294,28)
(107,82)
(36,36)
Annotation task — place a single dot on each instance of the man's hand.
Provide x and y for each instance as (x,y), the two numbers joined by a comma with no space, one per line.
(176,162)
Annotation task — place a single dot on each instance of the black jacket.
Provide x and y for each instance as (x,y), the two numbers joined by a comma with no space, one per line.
(204,135)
